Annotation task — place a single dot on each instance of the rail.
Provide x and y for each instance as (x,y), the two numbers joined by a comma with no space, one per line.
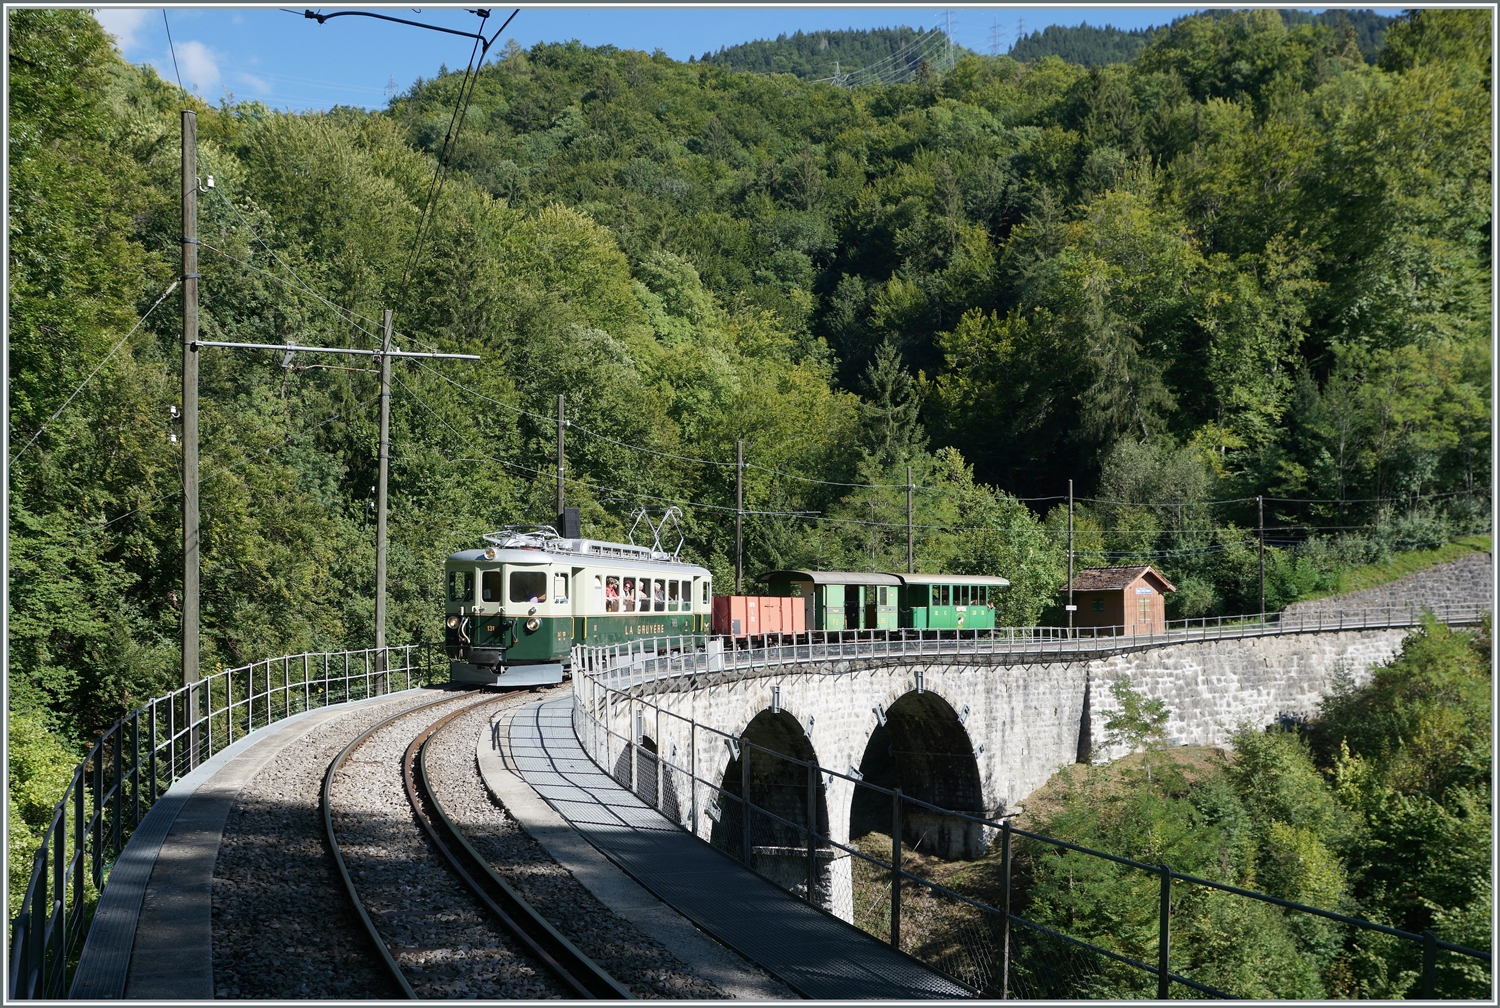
(991,948)
(138,758)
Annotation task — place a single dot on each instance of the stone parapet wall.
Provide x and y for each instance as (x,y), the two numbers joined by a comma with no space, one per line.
(1468,579)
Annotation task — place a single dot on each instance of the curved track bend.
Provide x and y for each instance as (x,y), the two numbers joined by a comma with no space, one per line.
(575,975)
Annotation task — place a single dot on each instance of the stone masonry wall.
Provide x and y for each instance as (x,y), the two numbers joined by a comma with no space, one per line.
(1213,687)
(1468,579)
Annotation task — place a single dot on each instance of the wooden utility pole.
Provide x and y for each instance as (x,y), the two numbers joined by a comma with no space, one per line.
(190,400)
(382,497)
(739,514)
(1071,607)
(561,423)
(910,569)
(1260,511)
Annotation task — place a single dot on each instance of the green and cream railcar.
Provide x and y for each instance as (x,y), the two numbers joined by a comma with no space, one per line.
(516,608)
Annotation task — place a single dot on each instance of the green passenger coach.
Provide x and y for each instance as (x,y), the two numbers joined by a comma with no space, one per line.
(858,600)
(515,609)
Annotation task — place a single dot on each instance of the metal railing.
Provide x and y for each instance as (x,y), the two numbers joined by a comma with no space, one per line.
(661,657)
(139,757)
(992,949)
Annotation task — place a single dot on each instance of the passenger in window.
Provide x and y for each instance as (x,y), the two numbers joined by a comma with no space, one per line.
(661,595)
(612,594)
(628,595)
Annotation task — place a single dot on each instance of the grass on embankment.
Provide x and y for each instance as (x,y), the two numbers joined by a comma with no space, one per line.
(1399,566)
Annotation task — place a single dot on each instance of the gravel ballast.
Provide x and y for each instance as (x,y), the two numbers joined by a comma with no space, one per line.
(636,960)
(283,926)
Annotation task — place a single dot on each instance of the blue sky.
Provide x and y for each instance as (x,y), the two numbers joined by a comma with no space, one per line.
(288,61)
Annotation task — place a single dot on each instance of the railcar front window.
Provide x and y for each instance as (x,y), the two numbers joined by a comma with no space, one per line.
(705,592)
(491,584)
(528,586)
(461,586)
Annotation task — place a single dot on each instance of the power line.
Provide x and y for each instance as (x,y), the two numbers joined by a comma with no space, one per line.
(101,364)
(175,72)
(204,479)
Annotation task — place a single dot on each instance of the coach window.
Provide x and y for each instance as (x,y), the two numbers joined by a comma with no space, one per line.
(598,593)
(559,588)
(627,594)
(611,594)
(491,585)
(671,596)
(528,586)
(461,586)
(659,593)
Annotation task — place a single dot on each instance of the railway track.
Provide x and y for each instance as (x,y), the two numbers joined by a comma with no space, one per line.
(529,959)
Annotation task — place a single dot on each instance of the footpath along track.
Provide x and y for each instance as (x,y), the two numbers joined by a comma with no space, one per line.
(444,923)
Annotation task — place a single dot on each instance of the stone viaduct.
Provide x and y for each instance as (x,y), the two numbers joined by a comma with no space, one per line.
(976,732)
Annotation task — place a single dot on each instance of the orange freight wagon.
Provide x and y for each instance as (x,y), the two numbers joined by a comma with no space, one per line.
(746,616)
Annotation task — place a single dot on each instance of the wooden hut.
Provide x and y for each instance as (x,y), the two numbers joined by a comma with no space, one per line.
(1130,600)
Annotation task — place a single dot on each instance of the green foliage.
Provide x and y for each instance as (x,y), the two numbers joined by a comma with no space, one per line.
(1140,722)
(40,767)
(815,55)
(1084,44)
(1380,808)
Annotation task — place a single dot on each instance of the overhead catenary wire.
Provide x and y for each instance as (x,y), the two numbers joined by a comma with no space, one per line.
(253,456)
(114,350)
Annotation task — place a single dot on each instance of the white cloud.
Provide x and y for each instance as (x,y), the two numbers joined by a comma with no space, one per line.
(123,23)
(199,66)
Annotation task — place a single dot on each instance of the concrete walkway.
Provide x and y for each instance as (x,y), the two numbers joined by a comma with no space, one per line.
(814,953)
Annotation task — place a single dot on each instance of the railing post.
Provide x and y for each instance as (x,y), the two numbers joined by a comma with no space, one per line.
(692,772)
(135,768)
(812,829)
(896,869)
(119,786)
(745,804)
(151,755)
(1164,937)
(1005,910)
(1429,965)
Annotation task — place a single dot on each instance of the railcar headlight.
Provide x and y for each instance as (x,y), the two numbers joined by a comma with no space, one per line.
(532,624)
(452,622)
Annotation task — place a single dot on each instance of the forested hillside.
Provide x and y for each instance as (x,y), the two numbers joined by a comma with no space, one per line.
(818,55)
(1249,263)
(1092,46)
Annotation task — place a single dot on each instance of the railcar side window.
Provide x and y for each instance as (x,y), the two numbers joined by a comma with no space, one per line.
(491,584)
(559,588)
(528,586)
(705,592)
(611,594)
(598,593)
(671,596)
(461,586)
(629,595)
(659,593)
